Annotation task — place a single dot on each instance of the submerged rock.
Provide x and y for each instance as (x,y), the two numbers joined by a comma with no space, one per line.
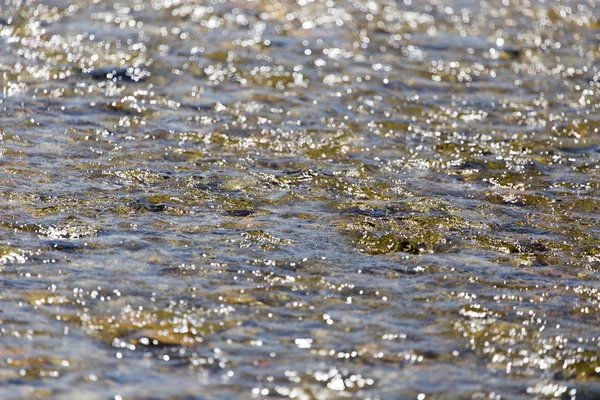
(124,74)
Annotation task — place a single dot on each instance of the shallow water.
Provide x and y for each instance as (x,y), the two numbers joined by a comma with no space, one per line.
(307,200)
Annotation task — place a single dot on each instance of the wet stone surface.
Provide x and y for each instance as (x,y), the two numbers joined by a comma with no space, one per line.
(307,200)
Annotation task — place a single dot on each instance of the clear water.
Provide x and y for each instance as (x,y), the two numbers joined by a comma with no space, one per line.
(306,200)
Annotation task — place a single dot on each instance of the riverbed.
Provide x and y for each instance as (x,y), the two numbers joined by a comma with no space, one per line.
(299,199)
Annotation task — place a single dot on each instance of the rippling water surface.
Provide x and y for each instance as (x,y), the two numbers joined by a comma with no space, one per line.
(307,200)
